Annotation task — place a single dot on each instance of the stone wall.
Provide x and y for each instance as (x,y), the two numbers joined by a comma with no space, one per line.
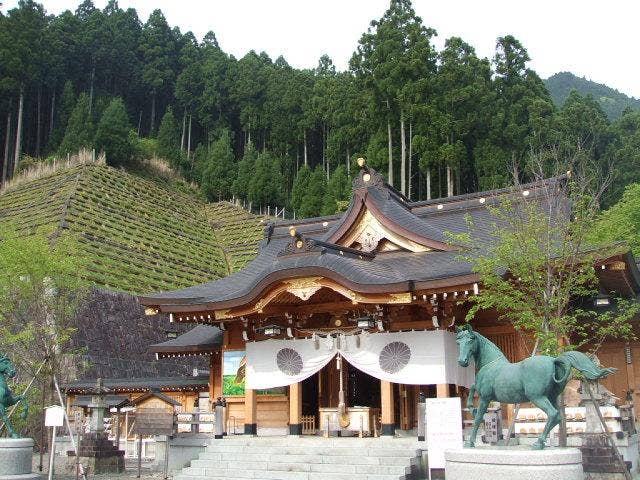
(599,459)
(113,336)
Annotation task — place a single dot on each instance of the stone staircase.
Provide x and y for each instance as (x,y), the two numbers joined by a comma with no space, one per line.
(306,458)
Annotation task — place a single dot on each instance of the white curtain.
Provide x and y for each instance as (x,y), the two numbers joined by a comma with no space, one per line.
(413,358)
(277,363)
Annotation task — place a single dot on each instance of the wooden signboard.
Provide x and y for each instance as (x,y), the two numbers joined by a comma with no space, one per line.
(154,421)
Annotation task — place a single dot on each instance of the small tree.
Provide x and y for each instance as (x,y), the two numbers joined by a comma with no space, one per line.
(168,139)
(40,287)
(300,185)
(266,184)
(246,170)
(79,131)
(338,191)
(536,267)
(218,170)
(67,102)
(621,222)
(311,204)
(112,136)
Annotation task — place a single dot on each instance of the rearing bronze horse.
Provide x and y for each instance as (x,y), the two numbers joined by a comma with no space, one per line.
(538,379)
(7,399)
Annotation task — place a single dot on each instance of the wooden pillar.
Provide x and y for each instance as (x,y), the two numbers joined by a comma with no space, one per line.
(215,378)
(386,405)
(250,412)
(631,375)
(442,390)
(295,409)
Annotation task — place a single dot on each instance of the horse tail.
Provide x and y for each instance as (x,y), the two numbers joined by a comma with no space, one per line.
(581,362)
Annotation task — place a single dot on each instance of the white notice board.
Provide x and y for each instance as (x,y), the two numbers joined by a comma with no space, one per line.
(444,428)
(54,416)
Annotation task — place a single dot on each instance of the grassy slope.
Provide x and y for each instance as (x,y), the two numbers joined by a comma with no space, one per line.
(141,235)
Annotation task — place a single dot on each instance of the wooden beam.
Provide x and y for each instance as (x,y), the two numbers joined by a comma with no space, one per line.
(295,409)
(442,390)
(387,408)
(250,412)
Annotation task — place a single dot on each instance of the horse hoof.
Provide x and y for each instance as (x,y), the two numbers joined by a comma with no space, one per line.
(537,446)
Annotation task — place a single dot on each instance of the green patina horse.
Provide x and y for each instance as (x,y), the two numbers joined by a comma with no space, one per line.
(538,379)
(7,399)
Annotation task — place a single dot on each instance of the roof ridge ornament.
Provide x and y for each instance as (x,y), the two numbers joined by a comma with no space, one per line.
(368,177)
(300,244)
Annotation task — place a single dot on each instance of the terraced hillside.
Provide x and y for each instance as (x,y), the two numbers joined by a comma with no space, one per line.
(140,235)
(237,232)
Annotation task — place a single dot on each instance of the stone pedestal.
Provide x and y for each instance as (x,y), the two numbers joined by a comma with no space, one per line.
(600,457)
(99,453)
(16,458)
(508,463)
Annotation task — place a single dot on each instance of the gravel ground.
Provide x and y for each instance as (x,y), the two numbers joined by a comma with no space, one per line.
(131,472)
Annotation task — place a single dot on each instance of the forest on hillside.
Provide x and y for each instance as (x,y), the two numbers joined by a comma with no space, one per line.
(613,102)
(436,122)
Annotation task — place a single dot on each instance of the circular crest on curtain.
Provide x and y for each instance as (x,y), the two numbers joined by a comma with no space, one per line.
(289,361)
(394,357)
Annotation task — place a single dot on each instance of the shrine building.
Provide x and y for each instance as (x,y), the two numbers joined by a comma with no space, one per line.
(340,322)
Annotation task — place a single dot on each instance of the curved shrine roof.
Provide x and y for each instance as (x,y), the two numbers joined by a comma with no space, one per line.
(316,247)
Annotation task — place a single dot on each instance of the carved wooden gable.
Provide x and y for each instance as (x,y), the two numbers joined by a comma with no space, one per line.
(368,234)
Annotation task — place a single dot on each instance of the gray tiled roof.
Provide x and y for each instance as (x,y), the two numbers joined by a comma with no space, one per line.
(200,338)
(139,383)
(382,273)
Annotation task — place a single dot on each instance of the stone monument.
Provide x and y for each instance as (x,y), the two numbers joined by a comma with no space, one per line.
(15,453)
(95,450)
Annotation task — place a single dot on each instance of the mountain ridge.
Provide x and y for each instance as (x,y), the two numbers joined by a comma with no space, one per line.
(612,101)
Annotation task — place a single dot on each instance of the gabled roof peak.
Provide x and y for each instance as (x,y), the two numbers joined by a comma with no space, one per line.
(369,178)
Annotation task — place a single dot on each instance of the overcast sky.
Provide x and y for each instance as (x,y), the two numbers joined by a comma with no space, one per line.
(591,38)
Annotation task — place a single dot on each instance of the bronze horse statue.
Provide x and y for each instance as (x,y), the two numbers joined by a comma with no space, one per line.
(7,399)
(538,379)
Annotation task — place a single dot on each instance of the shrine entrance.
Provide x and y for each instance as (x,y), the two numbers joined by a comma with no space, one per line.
(361,393)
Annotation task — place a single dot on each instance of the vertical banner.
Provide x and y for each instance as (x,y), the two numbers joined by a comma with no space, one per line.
(444,428)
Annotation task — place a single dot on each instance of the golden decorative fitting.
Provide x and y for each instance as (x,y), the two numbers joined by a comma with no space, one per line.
(299,244)
(292,231)
(303,288)
(366,177)
(399,298)
(361,162)
(222,314)
(337,322)
(150,311)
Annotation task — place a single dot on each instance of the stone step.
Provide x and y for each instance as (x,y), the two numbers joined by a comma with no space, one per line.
(301,476)
(306,458)
(265,461)
(309,440)
(273,475)
(313,450)
(292,466)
